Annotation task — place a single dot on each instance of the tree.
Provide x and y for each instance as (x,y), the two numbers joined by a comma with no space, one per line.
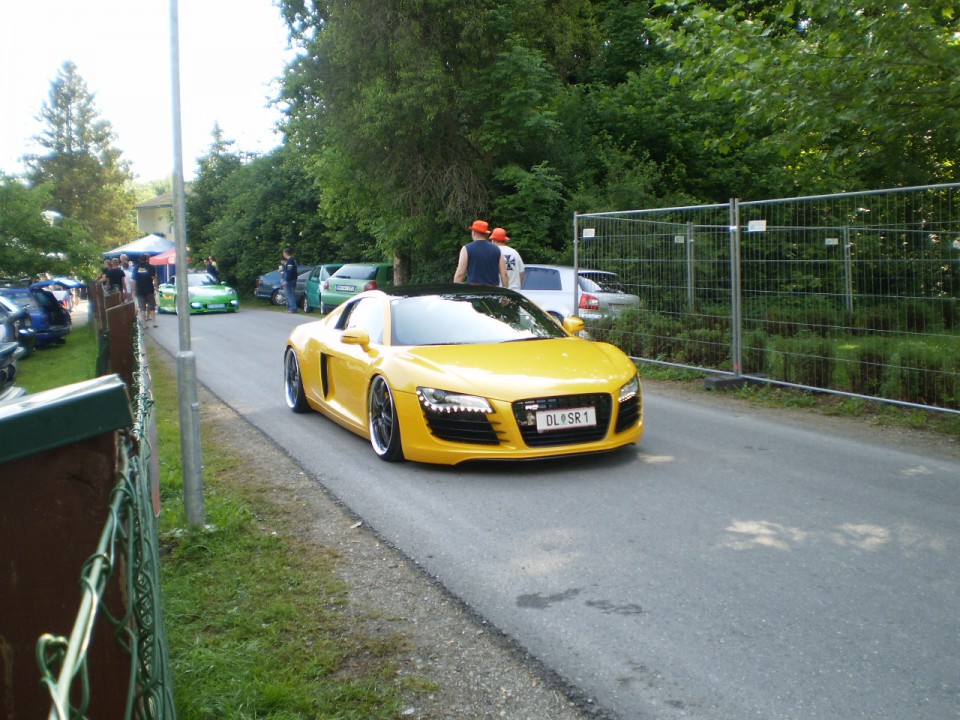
(208,193)
(863,93)
(86,177)
(29,243)
(245,214)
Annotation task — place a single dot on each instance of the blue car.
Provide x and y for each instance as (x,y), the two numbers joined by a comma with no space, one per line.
(51,323)
(15,326)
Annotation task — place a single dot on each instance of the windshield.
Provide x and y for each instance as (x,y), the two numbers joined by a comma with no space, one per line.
(357,272)
(594,281)
(470,319)
(197,279)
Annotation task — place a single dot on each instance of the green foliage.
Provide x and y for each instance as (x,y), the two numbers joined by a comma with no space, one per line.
(29,245)
(924,373)
(806,360)
(755,358)
(246,213)
(88,182)
(845,97)
(705,348)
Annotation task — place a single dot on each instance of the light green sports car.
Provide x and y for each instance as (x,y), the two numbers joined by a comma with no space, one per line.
(207,295)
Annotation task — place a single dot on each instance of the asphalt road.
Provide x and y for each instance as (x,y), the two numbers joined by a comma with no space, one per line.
(732,566)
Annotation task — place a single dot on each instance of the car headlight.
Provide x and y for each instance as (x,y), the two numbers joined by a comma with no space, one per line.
(630,390)
(195,305)
(443,401)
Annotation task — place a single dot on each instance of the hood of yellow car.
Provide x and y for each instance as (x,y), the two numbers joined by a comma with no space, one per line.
(523,369)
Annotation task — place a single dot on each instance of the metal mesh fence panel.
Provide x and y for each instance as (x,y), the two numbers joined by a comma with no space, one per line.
(853,293)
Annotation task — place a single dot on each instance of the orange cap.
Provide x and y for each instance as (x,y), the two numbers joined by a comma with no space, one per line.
(480,226)
(499,235)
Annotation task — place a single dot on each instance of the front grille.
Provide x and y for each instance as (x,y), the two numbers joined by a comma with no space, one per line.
(464,427)
(629,414)
(525,412)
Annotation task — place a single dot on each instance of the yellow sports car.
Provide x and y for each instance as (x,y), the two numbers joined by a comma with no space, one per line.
(448,373)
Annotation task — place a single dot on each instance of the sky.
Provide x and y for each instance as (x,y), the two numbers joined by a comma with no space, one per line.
(231,54)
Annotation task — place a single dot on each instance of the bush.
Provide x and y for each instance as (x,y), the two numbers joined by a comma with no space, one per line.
(756,359)
(918,316)
(660,337)
(868,371)
(878,318)
(924,374)
(949,309)
(705,348)
(807,360)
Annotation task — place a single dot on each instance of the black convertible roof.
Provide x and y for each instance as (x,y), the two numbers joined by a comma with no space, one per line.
(450,289)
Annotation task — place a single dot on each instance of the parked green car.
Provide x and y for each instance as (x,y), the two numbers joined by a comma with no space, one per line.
(352,279)
(314,285)
(206,293)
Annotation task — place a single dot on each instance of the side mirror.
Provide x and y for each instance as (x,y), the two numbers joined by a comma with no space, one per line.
(573,325)
(356,336)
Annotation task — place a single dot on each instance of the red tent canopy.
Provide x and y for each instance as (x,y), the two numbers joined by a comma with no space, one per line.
(167,257)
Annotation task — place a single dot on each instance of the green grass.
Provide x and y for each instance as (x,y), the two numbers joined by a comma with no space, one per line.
(255,616)
(57,365)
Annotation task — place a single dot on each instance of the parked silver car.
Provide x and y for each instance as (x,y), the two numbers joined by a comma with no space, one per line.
(594,295)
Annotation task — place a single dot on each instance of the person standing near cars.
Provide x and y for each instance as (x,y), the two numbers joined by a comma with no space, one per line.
(211,268)
(114,279)
(288,278)
(512,258)
(481,262)
(145,288)
(127,268)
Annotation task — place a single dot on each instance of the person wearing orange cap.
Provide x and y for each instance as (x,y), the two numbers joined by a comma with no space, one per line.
(481,262)
(511,257)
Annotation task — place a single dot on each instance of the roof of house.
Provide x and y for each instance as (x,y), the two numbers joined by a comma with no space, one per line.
(163,199)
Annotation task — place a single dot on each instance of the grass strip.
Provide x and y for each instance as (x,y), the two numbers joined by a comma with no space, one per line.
(255,614)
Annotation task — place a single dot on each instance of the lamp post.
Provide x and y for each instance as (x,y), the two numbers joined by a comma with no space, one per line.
(190,448)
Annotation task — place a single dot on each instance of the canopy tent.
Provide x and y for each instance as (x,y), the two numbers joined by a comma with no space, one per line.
(147,245)
(166,263)
(167,257)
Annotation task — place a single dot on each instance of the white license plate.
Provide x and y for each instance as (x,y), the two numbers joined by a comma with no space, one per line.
(345,288)
(548,420)
(216,306)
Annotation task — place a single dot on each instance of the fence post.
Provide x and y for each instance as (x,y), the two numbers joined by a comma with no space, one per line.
(847,270)
(691,297)
(576,263)
(736,319)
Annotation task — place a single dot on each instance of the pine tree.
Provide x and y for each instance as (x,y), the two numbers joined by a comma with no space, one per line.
(87,178)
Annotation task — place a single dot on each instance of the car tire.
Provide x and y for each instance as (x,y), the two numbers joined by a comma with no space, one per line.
(305,304)
(384,425)
(325,309)
(279,298)
(293,391)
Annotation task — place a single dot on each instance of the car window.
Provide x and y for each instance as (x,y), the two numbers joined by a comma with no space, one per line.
(592,281)
(197,279)
(366,314)
(536,278)
(468,319)
(357,272)
(45,300)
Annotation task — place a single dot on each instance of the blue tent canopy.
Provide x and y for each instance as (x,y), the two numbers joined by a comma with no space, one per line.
(147,245)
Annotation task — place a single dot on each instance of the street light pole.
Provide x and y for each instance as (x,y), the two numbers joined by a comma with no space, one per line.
(190,449)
